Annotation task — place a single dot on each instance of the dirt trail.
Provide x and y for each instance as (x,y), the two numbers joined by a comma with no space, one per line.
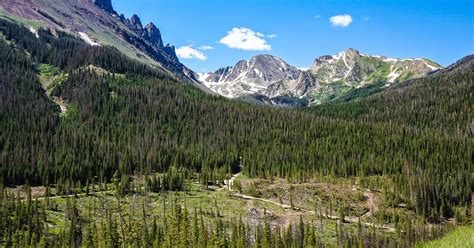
(372,202)
(370,198)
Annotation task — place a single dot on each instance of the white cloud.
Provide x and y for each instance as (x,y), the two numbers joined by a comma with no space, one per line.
(271,36)
(206,47)
(341,20)
(317,17)
(245,39)
(188,52)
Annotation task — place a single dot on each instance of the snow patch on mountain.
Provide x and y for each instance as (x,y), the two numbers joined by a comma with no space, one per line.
(328,77)
(34,31)
(431,66)
(87,39)
(202,76)
(393,74)
(249,76)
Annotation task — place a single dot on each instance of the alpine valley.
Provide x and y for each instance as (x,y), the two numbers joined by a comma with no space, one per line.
(108,140)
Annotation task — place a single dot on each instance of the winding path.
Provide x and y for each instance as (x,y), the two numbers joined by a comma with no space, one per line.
(229,183)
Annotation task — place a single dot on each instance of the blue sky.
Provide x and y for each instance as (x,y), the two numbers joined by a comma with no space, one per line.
(301,30)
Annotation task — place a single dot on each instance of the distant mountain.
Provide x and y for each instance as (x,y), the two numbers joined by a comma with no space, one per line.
(329,78)
(96,22)
(442,100)
(249,76)
(465,64)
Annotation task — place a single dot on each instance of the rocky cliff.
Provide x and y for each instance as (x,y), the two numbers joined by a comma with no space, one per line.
(97,22)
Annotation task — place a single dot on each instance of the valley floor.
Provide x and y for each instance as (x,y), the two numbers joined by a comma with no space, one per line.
(254,201)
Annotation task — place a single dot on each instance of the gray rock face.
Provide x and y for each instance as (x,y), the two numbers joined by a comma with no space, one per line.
(150,41)
(93,17)
(304,85)
(250,76)
(135,23)
(171,51)
(153,34)
(104,4)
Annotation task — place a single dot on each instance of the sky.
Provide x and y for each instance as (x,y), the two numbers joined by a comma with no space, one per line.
(210,34)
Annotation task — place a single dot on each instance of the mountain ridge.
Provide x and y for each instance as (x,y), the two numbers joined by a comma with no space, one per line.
(96,22)
(328,77)
(256,74)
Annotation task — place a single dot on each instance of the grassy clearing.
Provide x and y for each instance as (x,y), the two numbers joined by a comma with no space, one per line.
(461,237)
(218,204)
(215,205)
(308,195)
(50,76)
(29,23)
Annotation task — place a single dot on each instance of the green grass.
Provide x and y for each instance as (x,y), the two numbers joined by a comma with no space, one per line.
(30,23)
(461,237)
(381,73)
(48,70)
(196,198)
(358,93)
(330,92)
(433,63)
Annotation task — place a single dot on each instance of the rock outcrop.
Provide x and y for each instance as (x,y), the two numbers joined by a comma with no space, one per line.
(99,22)
(105,5)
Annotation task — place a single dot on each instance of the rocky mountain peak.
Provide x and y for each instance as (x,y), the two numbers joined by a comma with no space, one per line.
(92,18)
(250,76)
(153,34)
(136,23)
(351,51)
(104,4)
(331,76)
(265,62)
(171,51)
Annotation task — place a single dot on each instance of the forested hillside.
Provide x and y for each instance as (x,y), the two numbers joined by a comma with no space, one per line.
(443,102)
(124,118)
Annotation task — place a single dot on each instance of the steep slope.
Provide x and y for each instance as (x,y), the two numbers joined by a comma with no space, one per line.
(96,22)
(357,69)
(249,76)
(465,64)
(342,76)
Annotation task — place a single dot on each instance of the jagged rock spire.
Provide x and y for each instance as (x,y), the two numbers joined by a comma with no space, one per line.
(171,51)
(136,22)
(104,4)
(153,35)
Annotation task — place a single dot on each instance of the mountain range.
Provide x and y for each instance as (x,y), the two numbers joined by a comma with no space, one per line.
(329,78)
(345,76)
(262,79)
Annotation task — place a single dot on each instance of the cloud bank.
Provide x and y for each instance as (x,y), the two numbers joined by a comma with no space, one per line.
(341,20)
(245,39)
(188,52)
